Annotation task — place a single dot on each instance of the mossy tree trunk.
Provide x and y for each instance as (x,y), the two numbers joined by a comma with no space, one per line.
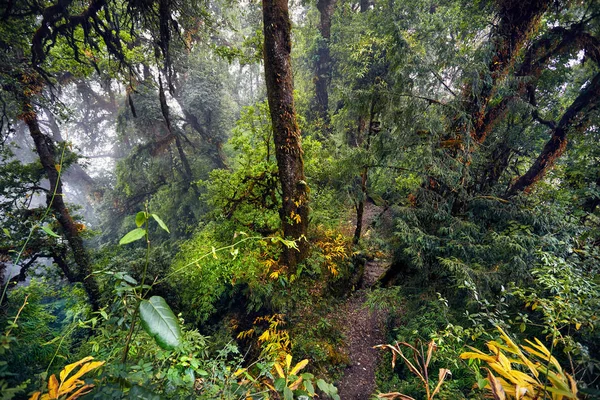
(45,149)
(286,133)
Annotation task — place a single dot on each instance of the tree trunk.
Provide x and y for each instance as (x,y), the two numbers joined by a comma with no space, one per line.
(286,133)
(364,5)
(76,174)
(45,151)
(364,175)
(518,21)
(323,64)
(218,156)
(360,207)
(574,118)
(187,170)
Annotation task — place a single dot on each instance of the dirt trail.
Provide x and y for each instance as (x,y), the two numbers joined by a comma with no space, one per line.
(362,329)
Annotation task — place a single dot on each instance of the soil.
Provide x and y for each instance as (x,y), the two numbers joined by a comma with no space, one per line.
(361,327)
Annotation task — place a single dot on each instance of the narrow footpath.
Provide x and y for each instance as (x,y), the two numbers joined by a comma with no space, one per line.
(362,329)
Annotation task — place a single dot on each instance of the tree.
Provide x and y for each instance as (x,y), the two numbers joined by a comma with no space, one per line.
(46,45)
(323,63)
(45,150)
(286,133)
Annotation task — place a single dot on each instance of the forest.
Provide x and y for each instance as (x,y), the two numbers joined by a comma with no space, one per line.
(300,199)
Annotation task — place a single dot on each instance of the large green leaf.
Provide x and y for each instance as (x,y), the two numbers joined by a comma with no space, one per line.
(133,235)
(159,322)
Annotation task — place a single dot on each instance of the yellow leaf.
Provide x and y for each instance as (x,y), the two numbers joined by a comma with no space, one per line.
(279,370)
(82,390)
(70,384)
(477,356)
(57,167)
(496,387)
(67,370)
(296,384)
(288,361)
(578,326)
(264,337)
(298,367)
(573,385)
(35,396)
(53,387)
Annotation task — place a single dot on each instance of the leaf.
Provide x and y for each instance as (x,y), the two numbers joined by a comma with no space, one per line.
(299,367)
(496,387)
(288,394)
(160,222)
(132,236)
(279,370)
(53,387)
(6,232)
(430,348)
(69,368)
(49,231)
(279,384)
(394,395)
(309,388)
(80,392)
(129,279)
(322,385)
(159,322)
(141,218)
(444,372)
(71,384)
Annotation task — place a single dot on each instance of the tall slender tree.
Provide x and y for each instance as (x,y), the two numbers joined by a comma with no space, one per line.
(323,66)
(286,132)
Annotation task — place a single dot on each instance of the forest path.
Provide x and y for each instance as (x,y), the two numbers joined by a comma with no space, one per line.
(363,328)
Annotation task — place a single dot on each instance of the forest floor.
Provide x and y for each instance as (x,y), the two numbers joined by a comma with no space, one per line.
(363,328)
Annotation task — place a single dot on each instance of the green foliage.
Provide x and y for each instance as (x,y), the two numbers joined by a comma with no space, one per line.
(208,279)
(247,193)
(159,322)
(45,331)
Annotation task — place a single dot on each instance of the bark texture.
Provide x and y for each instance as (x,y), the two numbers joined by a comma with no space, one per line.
(286,133)
(45,150)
